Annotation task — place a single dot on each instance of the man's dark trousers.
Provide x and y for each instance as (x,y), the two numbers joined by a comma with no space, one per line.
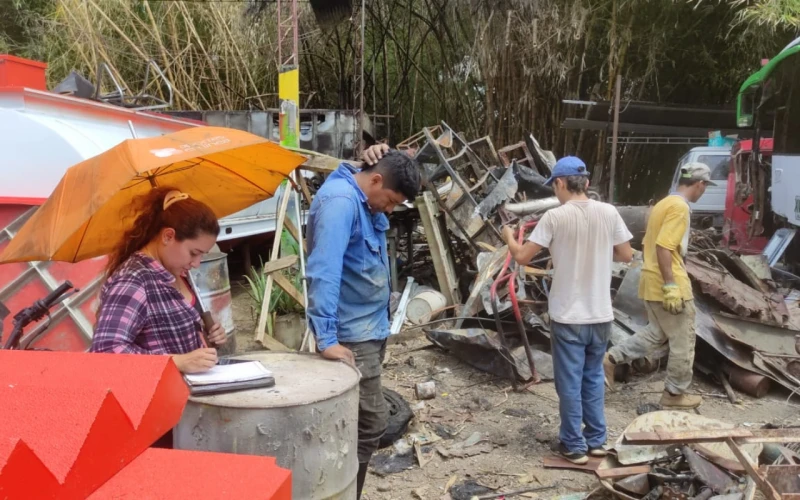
(372,411)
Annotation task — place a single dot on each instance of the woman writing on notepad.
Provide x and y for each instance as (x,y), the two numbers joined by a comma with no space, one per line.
(147,305)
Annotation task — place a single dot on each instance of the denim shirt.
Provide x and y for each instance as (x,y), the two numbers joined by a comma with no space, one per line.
(348,268)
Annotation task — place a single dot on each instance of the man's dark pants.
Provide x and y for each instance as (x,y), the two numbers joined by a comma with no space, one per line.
(372,411)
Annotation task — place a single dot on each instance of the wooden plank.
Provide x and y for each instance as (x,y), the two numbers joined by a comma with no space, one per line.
(714,435)
(763,485)
(725,463)
(282,263)
(620,472)
(289,288)
(442,260)
(289,225)
(324,164)
(694,436)
(560,463)
(272,344)
(261,327)
(304,187)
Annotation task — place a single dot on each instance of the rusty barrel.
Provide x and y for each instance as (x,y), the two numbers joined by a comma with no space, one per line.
(214,286)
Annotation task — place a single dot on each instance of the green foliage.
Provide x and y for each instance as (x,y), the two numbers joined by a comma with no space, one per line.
(280,302)
(487,67)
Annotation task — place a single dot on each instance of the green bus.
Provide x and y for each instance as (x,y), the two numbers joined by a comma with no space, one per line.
(769,104)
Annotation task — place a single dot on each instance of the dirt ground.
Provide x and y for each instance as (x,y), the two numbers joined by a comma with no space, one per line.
(518,425)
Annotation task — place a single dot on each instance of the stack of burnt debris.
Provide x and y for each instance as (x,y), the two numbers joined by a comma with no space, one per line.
(496,310)
(494,315)
(680,456)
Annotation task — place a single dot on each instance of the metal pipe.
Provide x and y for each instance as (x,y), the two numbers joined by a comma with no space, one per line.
(532,206)
(752,384)
(512,292)
(615,138)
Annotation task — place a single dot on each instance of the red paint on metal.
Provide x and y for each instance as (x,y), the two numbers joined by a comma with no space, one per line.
(9,200)
(737,217)
(178,474)
(63,334)
(19,72)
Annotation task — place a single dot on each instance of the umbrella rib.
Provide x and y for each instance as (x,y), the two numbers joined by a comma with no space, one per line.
(251,182)
(80,242)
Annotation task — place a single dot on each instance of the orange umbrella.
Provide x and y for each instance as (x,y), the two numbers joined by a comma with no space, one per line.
(229,170)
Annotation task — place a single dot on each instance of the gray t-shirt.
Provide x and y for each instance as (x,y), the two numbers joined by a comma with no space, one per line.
(581,236)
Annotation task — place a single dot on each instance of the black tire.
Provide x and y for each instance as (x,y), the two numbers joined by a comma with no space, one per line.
(399,416)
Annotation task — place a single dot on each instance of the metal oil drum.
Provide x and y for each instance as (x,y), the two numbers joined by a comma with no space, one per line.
(214,286)
(308,421)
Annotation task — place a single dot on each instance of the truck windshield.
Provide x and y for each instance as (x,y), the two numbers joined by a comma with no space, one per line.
(719,165)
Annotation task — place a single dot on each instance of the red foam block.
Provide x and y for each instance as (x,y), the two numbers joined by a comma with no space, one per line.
(179,474)
(134,379)
(23,474)
(85,416)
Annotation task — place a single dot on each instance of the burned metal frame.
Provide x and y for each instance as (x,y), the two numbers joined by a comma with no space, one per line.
(467,190)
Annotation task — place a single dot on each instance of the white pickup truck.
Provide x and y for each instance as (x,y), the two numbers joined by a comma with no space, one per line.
(711,207)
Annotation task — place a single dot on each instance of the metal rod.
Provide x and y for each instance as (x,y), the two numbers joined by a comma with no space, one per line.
(443,206)
(501,334)
(615,138)
(132,129)
(517,492)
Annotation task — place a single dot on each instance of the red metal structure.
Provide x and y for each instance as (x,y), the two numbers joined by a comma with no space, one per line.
(739,201)
(42,134)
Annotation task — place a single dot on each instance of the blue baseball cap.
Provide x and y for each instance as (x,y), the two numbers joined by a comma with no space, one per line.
(567,166)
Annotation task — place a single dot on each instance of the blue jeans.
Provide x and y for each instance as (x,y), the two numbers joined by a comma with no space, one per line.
(578,352)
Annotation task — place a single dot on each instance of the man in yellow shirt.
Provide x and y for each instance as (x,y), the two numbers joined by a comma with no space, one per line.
(667,291)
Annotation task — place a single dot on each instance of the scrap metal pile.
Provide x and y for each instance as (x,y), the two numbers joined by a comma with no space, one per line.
(746,320)
(680,456)
(472,190)
(747,317)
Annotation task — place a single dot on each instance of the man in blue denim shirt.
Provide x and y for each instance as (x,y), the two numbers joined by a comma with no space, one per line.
(348,276)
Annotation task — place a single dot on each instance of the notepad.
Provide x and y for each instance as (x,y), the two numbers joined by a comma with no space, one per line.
(229,374)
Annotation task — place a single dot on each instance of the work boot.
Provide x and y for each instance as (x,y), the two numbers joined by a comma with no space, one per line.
(575,457)
(680,401)
(608,369)
(361,478)
(597,451)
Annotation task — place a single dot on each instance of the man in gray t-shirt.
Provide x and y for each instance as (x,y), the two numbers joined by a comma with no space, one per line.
(584,237)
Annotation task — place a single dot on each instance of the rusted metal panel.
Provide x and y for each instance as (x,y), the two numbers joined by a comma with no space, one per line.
(784,478)
(486,351)
(758,336)
(637,484)
(560,463)
(735,295)
(708,473)
(620,472)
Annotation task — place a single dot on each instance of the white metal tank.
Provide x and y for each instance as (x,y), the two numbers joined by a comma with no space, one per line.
(308,421)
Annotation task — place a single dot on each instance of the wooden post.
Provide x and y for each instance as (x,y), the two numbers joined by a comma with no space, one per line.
(261,328)
(440,253)
(767,489)
(614,138)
